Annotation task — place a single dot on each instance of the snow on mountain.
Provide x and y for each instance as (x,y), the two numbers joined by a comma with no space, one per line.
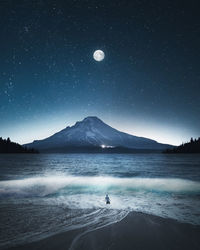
(92,131)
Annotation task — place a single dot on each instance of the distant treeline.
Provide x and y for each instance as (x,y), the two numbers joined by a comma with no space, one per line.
(190,147)
(6,146)
(98,150)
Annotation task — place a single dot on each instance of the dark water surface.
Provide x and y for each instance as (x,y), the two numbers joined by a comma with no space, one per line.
(44,194)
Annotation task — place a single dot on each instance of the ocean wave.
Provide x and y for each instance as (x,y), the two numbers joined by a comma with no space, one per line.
(55,185)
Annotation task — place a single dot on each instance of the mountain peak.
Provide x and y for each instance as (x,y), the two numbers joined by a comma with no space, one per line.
(90,121)
(92,118)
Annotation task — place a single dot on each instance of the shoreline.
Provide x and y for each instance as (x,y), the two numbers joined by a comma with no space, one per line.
(136,231)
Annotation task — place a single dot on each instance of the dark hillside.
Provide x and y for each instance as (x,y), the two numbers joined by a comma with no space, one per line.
(186,148)
(6,146)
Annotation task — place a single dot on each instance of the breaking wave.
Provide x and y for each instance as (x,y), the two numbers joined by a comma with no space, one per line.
(69,185)
(78,202)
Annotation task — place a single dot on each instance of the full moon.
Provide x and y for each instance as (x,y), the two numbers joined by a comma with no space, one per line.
(98,55)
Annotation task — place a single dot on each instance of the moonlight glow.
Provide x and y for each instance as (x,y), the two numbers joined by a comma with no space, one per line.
(98,55)
(109,59)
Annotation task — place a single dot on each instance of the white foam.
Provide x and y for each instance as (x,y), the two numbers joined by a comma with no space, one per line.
(51,184)
(166,197)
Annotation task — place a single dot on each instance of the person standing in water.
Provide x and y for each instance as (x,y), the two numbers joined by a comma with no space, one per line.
(107,199)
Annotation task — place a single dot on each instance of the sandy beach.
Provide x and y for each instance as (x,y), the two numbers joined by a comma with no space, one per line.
(136,231)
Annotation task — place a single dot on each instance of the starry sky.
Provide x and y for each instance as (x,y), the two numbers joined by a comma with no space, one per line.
(147,85)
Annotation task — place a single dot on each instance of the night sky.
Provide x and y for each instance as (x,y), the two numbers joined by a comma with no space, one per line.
(147,85)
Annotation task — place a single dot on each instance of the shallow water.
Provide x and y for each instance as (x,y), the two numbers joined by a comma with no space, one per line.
(44,194)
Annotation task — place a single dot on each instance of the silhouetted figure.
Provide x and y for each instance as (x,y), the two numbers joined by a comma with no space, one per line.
(107,199)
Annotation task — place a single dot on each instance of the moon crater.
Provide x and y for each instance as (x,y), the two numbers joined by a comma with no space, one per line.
(98,55)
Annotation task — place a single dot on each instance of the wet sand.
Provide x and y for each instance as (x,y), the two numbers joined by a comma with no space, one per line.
(136,231)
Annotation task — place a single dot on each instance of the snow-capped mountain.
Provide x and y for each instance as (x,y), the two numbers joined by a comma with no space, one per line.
(93,132)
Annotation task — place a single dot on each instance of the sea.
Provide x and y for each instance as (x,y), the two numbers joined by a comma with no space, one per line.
(45,194)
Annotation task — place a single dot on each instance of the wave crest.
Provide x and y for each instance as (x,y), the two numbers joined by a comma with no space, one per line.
(42,186)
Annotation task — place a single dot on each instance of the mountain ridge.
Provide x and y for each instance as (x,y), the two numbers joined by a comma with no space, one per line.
(93,132)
